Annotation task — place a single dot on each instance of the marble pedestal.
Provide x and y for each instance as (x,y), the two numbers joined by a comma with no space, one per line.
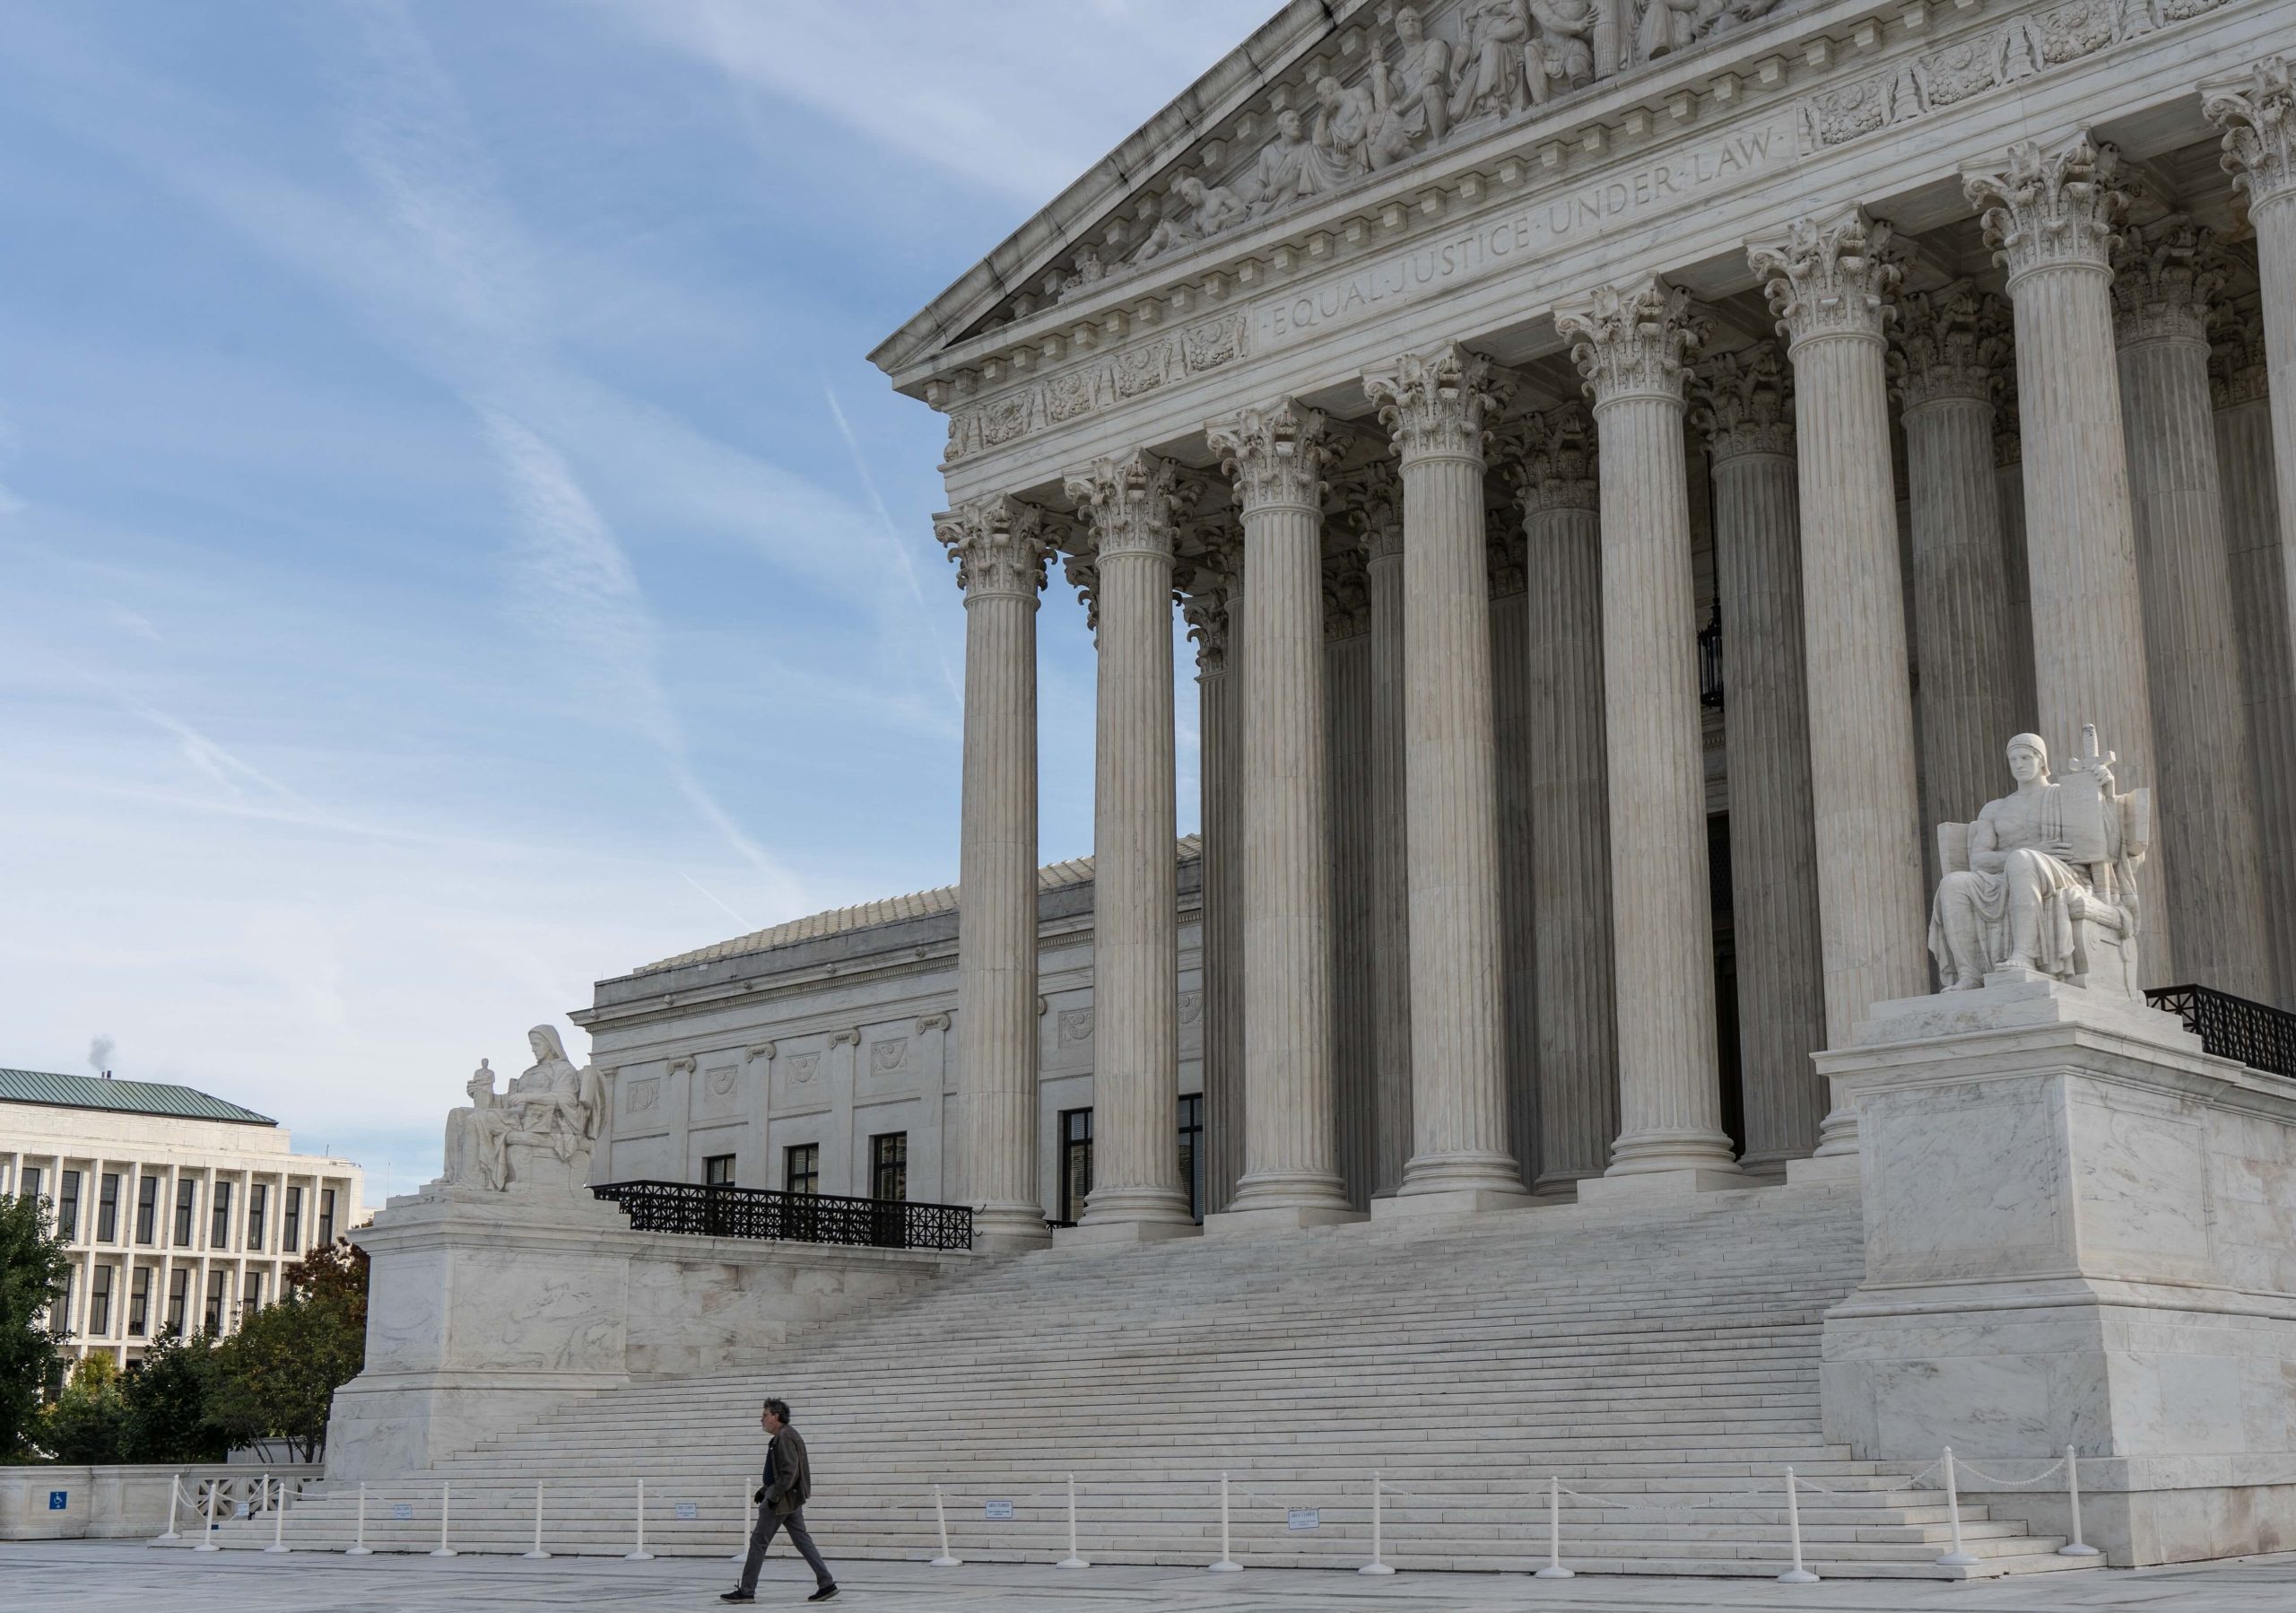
(2080,1229)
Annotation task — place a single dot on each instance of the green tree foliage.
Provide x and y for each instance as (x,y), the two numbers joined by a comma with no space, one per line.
(32,1271)
(277,1376)
(87,1421)
(168,1415)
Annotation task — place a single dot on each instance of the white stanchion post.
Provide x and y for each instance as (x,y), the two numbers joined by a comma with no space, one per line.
(174,1494)
(207,1540)
(1073,1560)
(1376,1566)
(2076,1546)
(278,1546)
(538,1553)
(640,1555)
(262,1496)
(947,1559)
(1798,1575)
(742,1545)
(1957,1557)
(1554,1570)
(359,1542)
(1227,1563)
(446,1507)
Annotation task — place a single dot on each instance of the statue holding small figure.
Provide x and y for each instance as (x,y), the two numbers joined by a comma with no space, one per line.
(551,1108)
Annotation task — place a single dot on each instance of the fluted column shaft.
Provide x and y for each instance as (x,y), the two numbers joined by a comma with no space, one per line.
(1571,855)
(2049,217)
(1829,283)
(1135,900)
(1290,1146)
(1390,881)
(1000,548)
(1743,407)
(1433,406)
(1211,604)
(2165,281)
(1630,347)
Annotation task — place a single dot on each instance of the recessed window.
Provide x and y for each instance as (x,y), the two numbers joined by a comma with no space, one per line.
(108,1208)
(219,1219)
(139,1302)
(291,1224)
(326,1218)
(100,1302)
(258,1208)
(889,1166)
(1075,1164)
(801,1168)
(187,1202)
(214,1316)
(179,1287)
(251,1297)
(718,1171)
(1192,1152)
(31,1182)
(147,1209)
(67,1208)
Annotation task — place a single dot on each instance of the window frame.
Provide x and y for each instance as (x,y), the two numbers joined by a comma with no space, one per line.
(1191,1146)
(718,1171)
(187,1211)
(139,1302)
(258,1214)
(811,1176)
(67,1206)
(1072,1196)
(889,1166)
(107,1208)
(147,1210)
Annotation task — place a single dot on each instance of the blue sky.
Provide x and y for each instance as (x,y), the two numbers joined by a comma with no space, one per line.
(452,545)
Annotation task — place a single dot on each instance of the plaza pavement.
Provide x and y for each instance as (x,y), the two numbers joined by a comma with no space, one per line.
(89,1576)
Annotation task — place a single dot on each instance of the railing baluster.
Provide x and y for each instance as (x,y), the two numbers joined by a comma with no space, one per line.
(764,1213)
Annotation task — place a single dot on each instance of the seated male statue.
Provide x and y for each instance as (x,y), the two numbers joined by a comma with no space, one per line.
(2044,877)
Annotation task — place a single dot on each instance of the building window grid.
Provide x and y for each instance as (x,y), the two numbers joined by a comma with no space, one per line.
(291,1223)
(213,1317)
(889,1166)
(67,1206)
(108,1208)
(801,1168)
(99,1286)
(251,1292)
(147,1209)
(139,1302)
(31,1181)
(186,1209)
(179,1295)
(258,1211)
(219,1216)
(326,1217)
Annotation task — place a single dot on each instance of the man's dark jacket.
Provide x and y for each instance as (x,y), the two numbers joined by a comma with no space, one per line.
(788,1478)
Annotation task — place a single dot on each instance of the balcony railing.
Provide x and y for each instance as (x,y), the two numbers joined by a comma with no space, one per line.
(701,1210)
(2258,1035)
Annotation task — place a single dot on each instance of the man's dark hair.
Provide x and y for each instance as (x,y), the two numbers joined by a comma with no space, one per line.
(781,1410)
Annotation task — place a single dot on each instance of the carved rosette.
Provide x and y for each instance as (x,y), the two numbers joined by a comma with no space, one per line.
(1131,502)
(1551,462)
(2166,278)
(1437,404)
(1953,341)
(1635,343)
(2259,125)
(1743,402)
(1000,545)
(1273,453)
(2236,360)
(1830,279)
(2049,209)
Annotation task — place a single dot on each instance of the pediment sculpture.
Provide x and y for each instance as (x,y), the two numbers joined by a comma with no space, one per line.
(537,1132)
(2043,883)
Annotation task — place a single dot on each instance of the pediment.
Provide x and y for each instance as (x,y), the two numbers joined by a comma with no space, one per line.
(1328,97)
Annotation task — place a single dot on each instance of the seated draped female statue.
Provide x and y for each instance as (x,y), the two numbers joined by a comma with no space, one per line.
(553,1108)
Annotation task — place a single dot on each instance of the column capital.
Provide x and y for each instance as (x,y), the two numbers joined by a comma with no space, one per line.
(2166,278)
(1000,545)
(1209,581)
(1131,501)
(1632,342)
(1550,461)
(1275,454)
(1953,341)
(2259,123)
(2050,209)
(1371,506)
(1829,277)
(1347,593)
(2236,360)
(1437,402)
(1743,403)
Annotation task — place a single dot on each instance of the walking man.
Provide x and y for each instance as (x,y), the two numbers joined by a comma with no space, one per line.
(780,1502)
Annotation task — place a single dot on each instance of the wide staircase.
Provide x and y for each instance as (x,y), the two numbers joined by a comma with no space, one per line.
(1663,1363)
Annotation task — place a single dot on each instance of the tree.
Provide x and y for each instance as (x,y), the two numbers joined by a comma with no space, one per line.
(33,1272)
(275,1378)
(84,1423)
(168,1412)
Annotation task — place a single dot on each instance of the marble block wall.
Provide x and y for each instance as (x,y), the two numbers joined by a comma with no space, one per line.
(2080,1229)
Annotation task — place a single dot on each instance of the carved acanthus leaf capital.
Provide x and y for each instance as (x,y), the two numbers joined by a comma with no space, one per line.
(1132,503)
(2236,360)
(1347,593)
(2052,209)
(1370,507)
(1829,277)
(2166,279)
(1000,545)
(2259,123)
(1437,403)
(1550,461)
(1953,341)
(1504,551)
(1743,402)
(1273,453)
(1636,342)
(1208,581)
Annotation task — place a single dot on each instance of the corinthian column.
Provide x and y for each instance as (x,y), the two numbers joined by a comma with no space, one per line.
(1632,347)
(1829,284)
(1949,347)
(1213,601)
(2165,278)
(1136,1190)
(1434,405)
(2258,118)
(2049,217)
(1744,408)
(1275,458)
(999,546)
(1570,841)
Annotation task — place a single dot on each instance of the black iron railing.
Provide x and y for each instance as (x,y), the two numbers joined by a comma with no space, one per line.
(729,1212)
(2258,1035)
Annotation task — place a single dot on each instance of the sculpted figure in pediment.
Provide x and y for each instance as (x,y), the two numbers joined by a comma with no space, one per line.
(1203,210)
(1560,55)
(1362,123)
(1421,77)
(1488,76)
(1293,168)
(1668,25)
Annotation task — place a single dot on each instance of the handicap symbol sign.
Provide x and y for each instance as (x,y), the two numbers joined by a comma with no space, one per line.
(56,1500)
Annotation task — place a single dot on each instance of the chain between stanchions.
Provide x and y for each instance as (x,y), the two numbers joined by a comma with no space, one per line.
(1679,1506)
(1962,1470)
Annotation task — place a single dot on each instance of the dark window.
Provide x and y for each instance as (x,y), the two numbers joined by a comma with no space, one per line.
(31,1182)
(718,1171)
(139,1302)
(252,1299)
(801,1168)
(1075,1164)
(62,1318)
(99,1303)
(147,1209)
(108,1208)
(291,1224)
(67,1208)
(258,1206)
(326,1217)
(219,1220)
(179,1286)
(889,1166)
(187,1202)
(1192,1152)
(214,1317)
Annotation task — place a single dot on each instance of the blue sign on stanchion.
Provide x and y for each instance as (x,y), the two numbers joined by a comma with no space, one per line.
(56,1500)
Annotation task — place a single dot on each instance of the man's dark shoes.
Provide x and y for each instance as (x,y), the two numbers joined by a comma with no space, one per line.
(823,1594)
(737,1596)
